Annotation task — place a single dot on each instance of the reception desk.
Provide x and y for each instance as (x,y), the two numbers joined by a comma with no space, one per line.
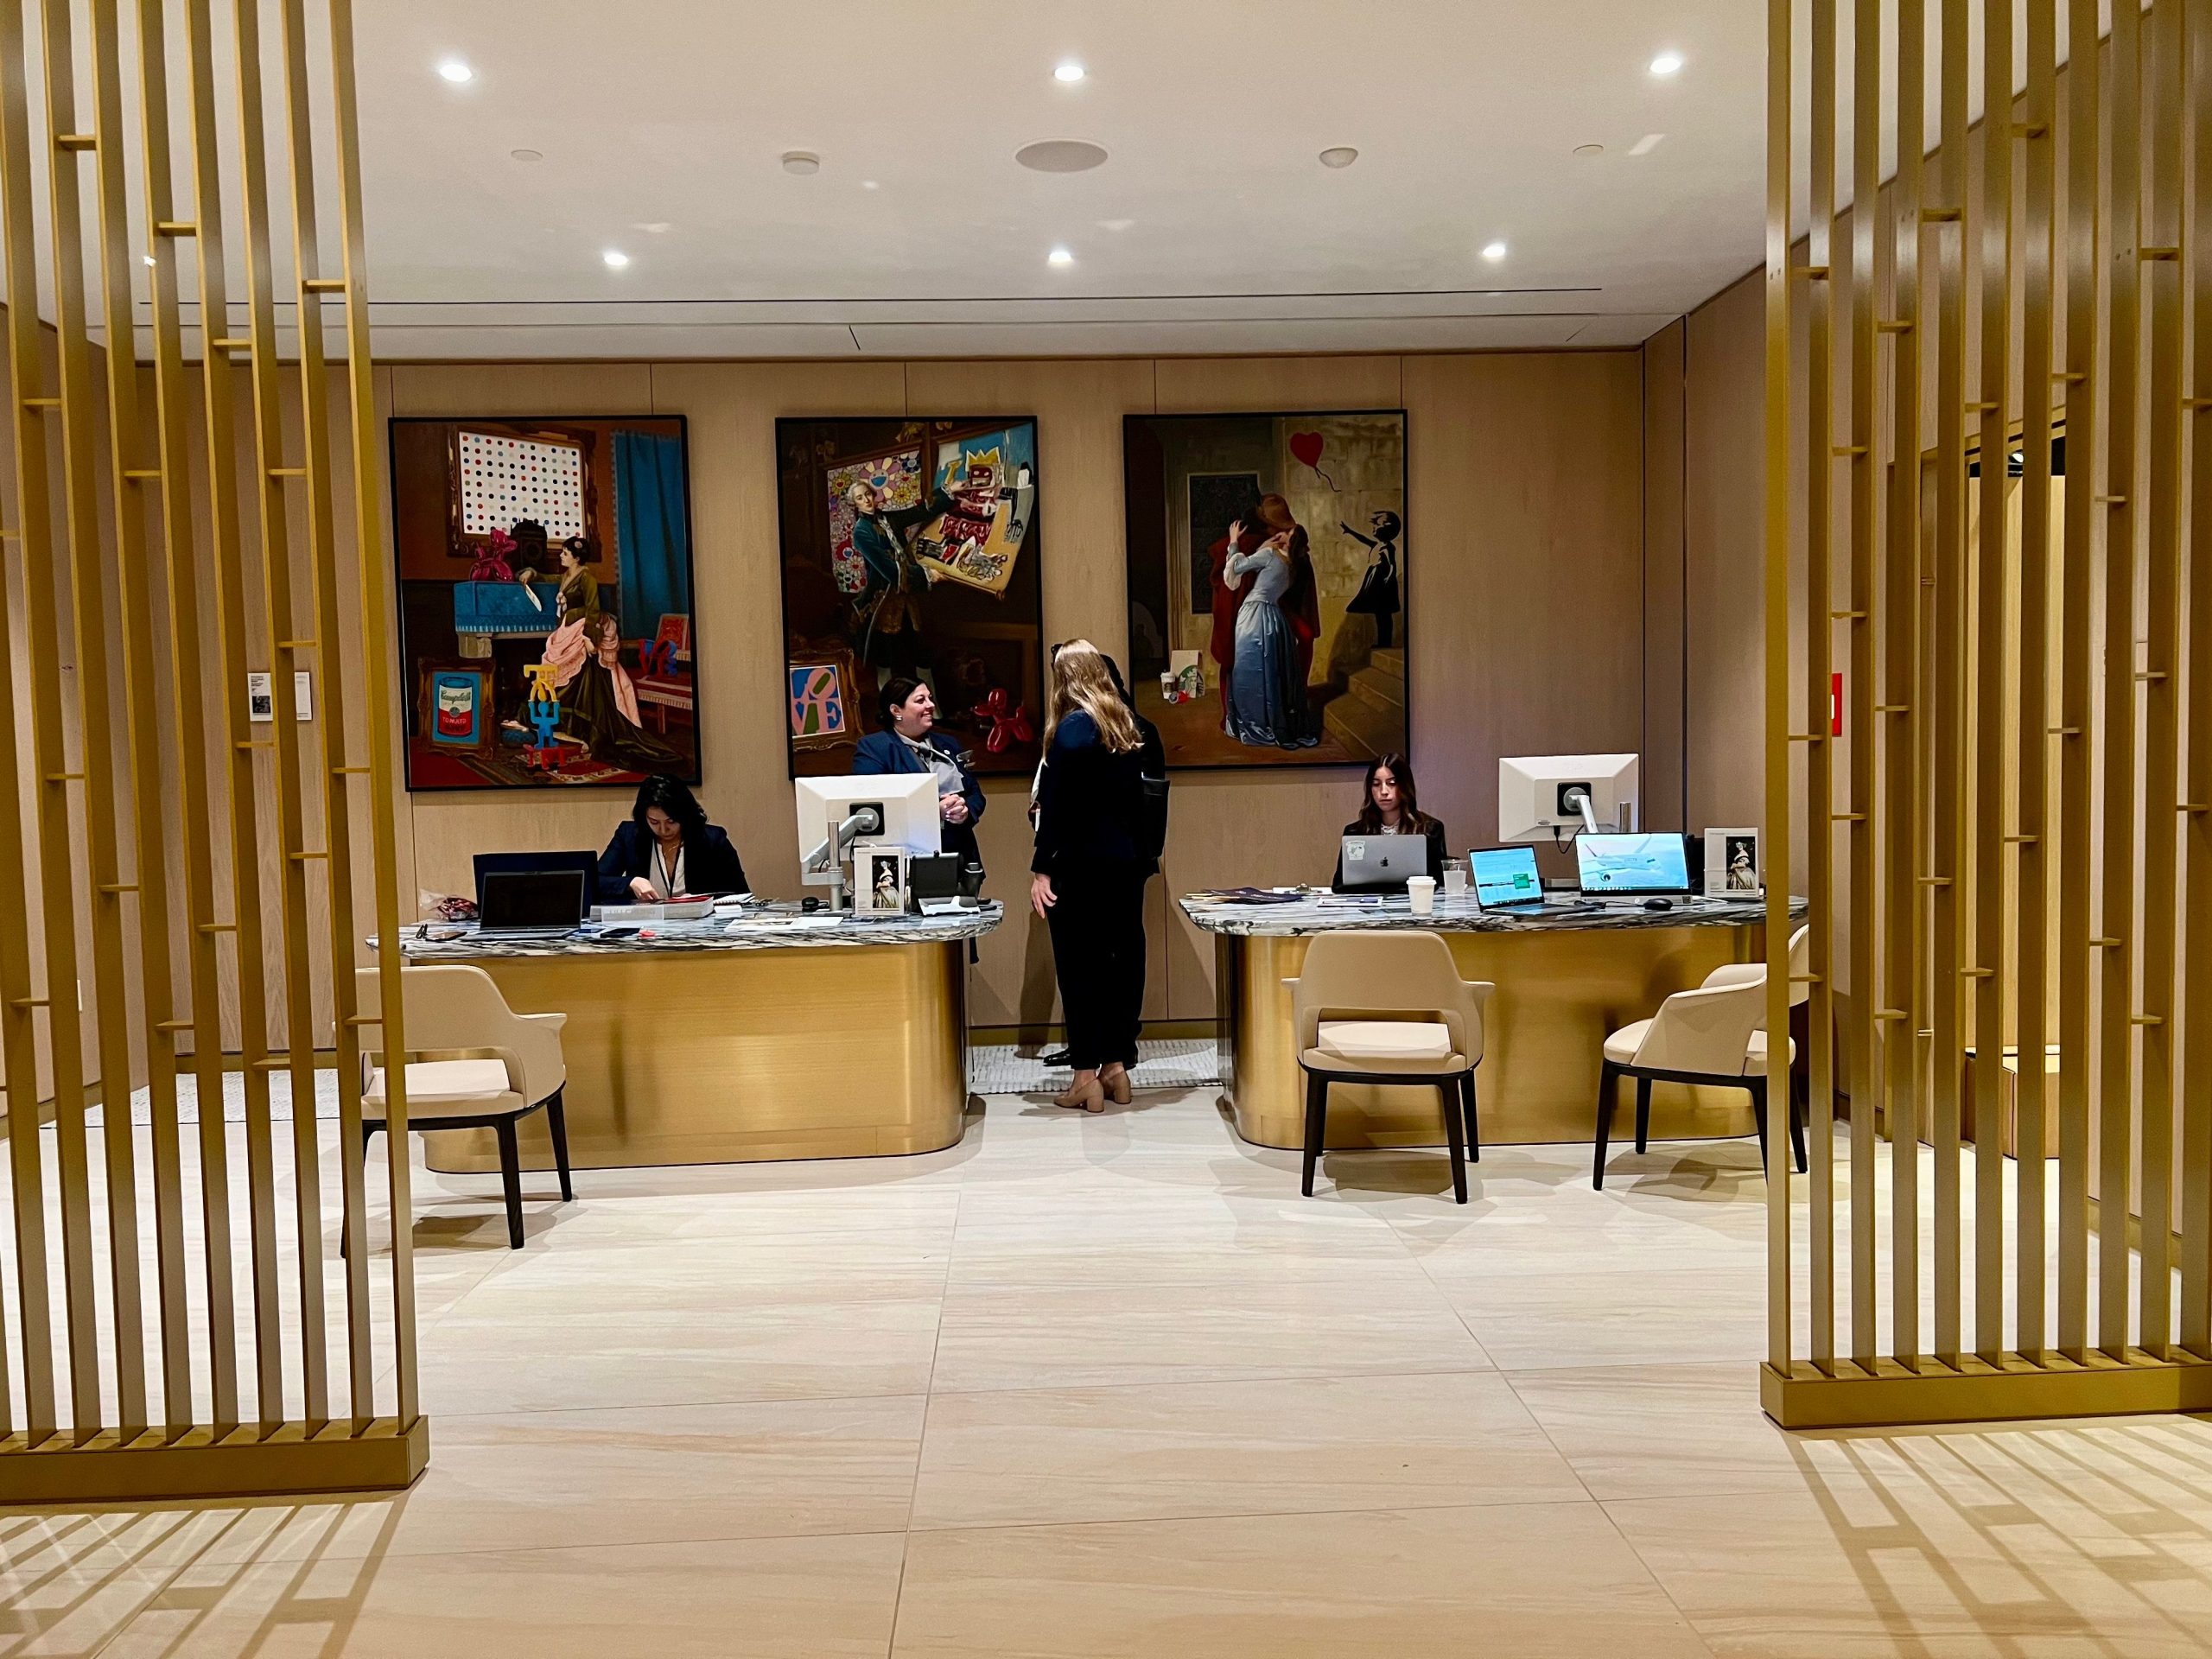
(1564,981)
(703,1043)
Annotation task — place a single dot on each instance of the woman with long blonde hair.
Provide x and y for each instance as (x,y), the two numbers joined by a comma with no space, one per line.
(1100,817)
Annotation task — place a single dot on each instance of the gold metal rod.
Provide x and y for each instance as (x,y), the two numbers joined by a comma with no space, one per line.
(1989,230)
(82,395)
(2116,1072)
(193,824)
(1948,774)
(1780,60)
(2164,160)
(44,553)
(1819,842)
(1900,803)
(377,695)
(2196,1216)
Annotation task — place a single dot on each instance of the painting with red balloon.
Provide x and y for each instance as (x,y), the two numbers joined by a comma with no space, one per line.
(911,546)
(1266,582)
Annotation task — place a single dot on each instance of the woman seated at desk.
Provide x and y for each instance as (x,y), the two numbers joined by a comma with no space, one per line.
(667,848)
(910,743)
(1392,808)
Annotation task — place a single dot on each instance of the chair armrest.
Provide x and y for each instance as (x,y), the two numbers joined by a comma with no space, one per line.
(1735,973)
(551,1021)
(538,1045)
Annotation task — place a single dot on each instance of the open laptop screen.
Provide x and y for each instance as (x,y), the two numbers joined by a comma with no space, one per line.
(519,899)
(1506,876)
(1642,863)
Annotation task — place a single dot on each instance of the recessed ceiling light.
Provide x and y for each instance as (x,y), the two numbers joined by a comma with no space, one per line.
(1339,155)
(615,259)
(802,162)
(870,184)
(1115,224)
(1060,156)
(1586,151)
(455,70)
(1070,71)
(1667,63)
(1060,257)
(1645,145)
(1494,251)
(526,155)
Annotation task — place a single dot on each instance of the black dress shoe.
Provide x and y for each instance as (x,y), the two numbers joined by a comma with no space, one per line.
(1057,1057)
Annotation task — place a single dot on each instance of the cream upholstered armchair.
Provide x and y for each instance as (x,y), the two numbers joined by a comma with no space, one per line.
(1714,1036)
(1390,1007)
(472,1063)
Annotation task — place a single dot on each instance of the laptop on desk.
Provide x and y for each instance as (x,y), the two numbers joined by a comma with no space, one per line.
(530,903)
(1382,863)
(1506,883)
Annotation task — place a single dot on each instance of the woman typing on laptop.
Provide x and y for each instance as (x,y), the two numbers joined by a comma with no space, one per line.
(1392,808)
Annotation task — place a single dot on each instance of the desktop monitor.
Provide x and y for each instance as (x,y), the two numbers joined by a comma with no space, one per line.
(1646,863)
(490,863)
(905,812)
(1506,876)
(1542,796)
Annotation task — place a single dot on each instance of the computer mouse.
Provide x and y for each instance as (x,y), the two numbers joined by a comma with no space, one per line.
(810,904)
(1658,904)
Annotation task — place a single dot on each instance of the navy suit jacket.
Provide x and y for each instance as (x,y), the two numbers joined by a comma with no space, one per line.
(887,751)
(710,862)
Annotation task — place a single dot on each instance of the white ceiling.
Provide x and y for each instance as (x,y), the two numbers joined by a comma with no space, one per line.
(1213,227)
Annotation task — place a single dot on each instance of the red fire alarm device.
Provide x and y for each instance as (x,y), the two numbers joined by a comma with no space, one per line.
(1835,704)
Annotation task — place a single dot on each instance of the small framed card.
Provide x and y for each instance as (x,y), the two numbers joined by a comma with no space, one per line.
(880,881)
(1732,869)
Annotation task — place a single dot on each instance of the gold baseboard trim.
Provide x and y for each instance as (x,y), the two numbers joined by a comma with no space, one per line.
(384,1457)
(1054,1034)
(1976,1391)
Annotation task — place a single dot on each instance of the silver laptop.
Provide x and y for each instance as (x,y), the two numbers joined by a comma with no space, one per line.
(1382,863)
(530,903)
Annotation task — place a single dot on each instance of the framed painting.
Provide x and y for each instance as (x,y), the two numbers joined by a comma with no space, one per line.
(911,547)
(545,587)
(1266,584)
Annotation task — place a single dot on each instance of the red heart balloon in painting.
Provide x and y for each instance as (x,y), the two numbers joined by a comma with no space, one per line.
(1306,445)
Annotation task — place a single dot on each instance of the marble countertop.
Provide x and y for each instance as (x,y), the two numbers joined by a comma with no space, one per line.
(770,928)
(1315,912)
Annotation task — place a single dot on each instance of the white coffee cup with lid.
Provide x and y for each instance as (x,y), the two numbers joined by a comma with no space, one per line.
(1421,890)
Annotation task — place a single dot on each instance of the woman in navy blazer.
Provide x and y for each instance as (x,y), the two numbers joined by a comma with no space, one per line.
(667,847)
(909,744)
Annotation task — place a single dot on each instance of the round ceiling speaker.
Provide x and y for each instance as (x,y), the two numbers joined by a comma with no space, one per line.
(1339,155)
(802,162)
(1060,156)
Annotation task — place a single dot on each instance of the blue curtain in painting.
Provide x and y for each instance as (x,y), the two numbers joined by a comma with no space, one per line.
(649,523)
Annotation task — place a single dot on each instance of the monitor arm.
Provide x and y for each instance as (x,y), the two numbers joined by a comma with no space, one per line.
(1574,797)
(861,821)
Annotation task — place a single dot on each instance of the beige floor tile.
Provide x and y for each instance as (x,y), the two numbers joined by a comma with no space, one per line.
(771,1598)
(1232,1448)
(1914,1644)
(1626,1314)
(661,1475)
(69,1584)
(817,1350)
(1528,1580)
(1919,1543)
(1240,1322)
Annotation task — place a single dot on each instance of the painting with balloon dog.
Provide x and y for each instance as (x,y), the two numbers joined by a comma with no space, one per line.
(1266,582)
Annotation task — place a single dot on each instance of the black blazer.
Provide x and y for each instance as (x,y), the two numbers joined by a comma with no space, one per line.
(1091,803)
(1435,856)
(710,862)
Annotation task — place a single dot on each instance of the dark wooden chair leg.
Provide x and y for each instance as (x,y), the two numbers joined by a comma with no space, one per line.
(1758,1087)
(1607,1075)
(510,1177)
(1642,1113)
(1800,1110)
(1474,1118)
(1316,1112)
(1455,1139)
(557,1121)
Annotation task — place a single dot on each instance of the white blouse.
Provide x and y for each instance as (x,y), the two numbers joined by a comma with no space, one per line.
(666,881)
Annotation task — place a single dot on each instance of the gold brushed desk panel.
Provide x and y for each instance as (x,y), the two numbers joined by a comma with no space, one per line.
(712,1057)
(1560,993)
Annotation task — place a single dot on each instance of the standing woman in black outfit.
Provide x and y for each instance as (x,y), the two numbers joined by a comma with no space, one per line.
(1097,845)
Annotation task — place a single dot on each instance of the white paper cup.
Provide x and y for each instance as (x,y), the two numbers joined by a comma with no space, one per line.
(1422,889)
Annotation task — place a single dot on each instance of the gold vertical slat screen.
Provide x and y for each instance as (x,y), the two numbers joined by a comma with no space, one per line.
(2005,1006)
(174,1282)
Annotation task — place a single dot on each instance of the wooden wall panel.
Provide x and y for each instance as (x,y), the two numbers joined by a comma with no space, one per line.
(1665,592)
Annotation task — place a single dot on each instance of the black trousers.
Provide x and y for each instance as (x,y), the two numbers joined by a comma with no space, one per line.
(1098,956)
